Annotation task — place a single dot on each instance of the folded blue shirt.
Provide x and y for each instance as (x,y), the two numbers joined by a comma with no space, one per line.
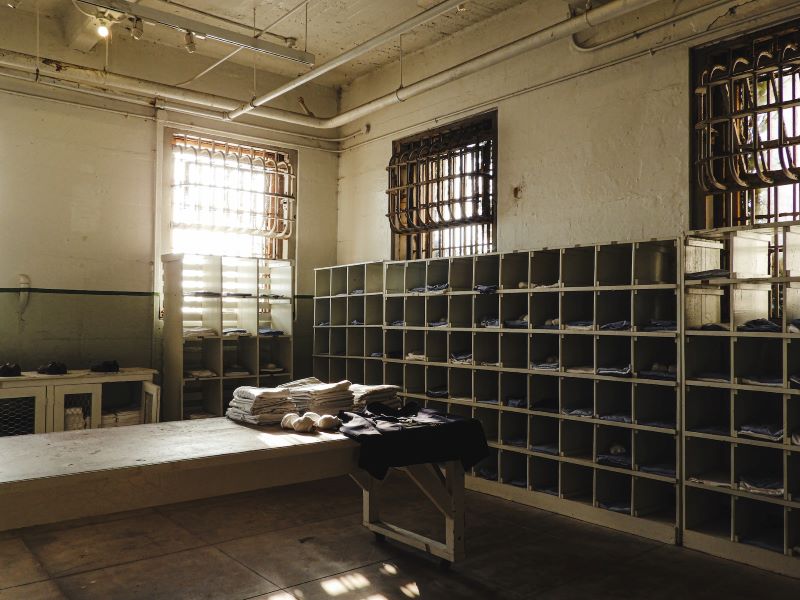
(545,448)
(437,287)
(397,323)
(485,289)
(516,402)
(660,325)
(490,322)
(616,371)
(439,323)
(616,418)
(619,506)
(438,392)
(621,461)
(772,432)
(376,354)
(269,331)
(709,274)
(663,469)
(761,326)
(516,324)
(578,412)
(616,326)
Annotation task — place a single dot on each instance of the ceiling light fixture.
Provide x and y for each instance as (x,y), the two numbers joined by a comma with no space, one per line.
(13,3)
(102,28)
(189,42)
(137,28)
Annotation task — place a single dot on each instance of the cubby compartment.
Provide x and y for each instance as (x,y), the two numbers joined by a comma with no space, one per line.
(513,350)
(613,491)
(577,353)
(514,390)
(393,374)
(338,369)
(793,362)
(655,500)
(791,304)
(373,372)
(460,384)
(656,358)
(514,311)
(514,469)
(614,401)
(460,312)
(487,270)
(202,358)
(416,274)
(708,512)
(613,355)
(656,453)
(394,314)
(793,420)
(373,278)
(544,435)
(438,274)
(240,357)
(613,310)
(395,278)
(201,399)
(708,410)
(615,264)
(577,482)
(758,415)
(355,370)
(707,308)
(759,524)
(487,467)
(577,397)
(414,379)
(751,254)
(759,470)
(415,311)
(544,475)
(489,420)
(486,349)
(338,342)
(708,359)
(487,311)
(436,346)
(486,387)
(655,262)
(460,347)
(655,406)
(545,268)
(373,310)
(414,345)
(707,462)
(239,315)
(356,279)
(322,282)
(355,342)
(436,382)
(577,439)
(758,361)
(338,281)
(322,312)
(793,531)
(702,254)
(543,393)
(545,310)
(321,368)
(614,446)
(514,271)
(577,310)
(274,357)
(436,312)
(544,351)
(577,267)
(393,344)
(514,429)
(373,342)
(751,302)
(461,274)
(793,476)
(655,310)
(338,311)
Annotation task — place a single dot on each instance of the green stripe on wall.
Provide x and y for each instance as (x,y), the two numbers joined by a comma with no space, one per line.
(77,292)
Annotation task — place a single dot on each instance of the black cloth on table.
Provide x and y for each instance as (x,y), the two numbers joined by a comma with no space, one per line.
(398,437)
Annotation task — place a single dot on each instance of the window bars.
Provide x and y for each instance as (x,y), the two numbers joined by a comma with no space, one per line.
(231,199)
(747,129)
(442,191)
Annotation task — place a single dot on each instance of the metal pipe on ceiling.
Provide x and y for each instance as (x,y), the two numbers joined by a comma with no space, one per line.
(379,40)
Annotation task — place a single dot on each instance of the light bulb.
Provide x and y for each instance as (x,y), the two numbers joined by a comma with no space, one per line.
(13,3)
(189,42)
(102,29)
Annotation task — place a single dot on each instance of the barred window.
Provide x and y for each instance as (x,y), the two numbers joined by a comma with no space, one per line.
(442,191)
(746,117)
(229,199)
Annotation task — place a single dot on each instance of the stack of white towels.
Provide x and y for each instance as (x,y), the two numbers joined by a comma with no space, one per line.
(262,406)
(364,394)
(319,397)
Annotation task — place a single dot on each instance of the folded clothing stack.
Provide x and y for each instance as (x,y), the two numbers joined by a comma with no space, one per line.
(121,418)
(261,406)
(461,358)
(366,394)
(760,326)
(665,371)
(323,398)
(199,332)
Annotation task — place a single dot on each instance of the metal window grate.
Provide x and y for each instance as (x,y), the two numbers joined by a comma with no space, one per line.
(746,156)
(17,416)
(442,191)
(231,199)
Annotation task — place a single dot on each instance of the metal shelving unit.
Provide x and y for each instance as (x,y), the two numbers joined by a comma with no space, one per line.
(348,314)
(222,315)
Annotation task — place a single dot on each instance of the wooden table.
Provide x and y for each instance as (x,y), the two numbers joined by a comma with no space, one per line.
(58,476)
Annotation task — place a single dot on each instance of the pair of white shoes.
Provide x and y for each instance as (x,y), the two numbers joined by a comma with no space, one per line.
(309,421)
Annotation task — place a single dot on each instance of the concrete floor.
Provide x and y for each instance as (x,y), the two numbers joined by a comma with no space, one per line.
(304,542)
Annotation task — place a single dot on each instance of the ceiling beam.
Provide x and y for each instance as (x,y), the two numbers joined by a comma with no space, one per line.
(202,29)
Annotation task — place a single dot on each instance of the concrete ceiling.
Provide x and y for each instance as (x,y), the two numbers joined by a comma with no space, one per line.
(333,27)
